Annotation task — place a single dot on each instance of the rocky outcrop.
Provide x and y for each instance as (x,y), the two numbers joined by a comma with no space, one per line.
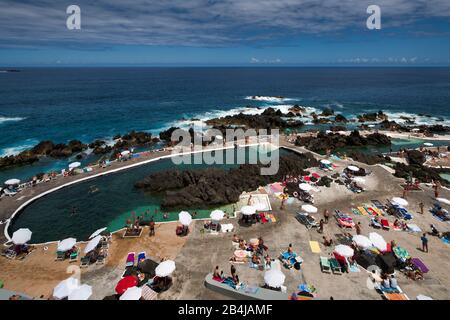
(372,117)
(133,139)
(269,119)
(422,173)
(323,142)
(212,186)
(369,159)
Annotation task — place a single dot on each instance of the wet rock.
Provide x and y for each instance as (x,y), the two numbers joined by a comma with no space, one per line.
(213,186)
(372,117)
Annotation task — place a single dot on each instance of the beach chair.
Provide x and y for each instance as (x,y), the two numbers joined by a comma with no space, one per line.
(385,224)
(335,266)
(141,256)
(85,261)
(130,259)
(307,220)
(60,256)
(73,256)
(325,265)
(375,224)
(419,265)
(100,260)
(148,293)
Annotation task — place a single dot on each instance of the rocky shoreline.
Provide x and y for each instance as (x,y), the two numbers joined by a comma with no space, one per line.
(211,187)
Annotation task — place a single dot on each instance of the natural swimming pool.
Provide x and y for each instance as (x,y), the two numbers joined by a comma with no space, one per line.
(103,201)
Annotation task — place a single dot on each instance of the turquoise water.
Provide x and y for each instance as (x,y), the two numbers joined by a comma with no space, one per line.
(446,176)
(51,217)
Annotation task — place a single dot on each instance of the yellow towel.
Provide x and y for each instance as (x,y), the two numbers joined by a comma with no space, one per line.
(315,247)
(272,217)
(363,211)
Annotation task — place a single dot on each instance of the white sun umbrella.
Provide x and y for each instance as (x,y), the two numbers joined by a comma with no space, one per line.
(443,200)
(248,210)
(133,293)
(378,241)
(65,287)
(185,218)
(21,236)
(353,168)
(274,278)
(66,244)
(423,297)
(219,137)
(325,161)
(165,268)
(92,244)
(362,241)
(343,250)
(74,165)
(305,187)
(125,153)
(217,215)
(309,208)
(428,144)
(83,292)
(97,232)
(399,201)
(12,182)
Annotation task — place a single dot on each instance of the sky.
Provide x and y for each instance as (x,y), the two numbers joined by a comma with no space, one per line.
(225,33)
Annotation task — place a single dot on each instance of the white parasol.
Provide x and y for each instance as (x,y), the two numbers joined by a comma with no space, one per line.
(248,210)
(274,278)
(399,201)
(21,236)
(92,244)
(443,200)
(165,268)
(132,293)
(343,250)
(74,165)
(83,292)
(185,218)
(66,244)
(12,182)
(378,241)
(305,187)
(309,208)
(325,161)
(428,144)
(362,241)
(217,215)
(65,287)
(97,232)
(353,168)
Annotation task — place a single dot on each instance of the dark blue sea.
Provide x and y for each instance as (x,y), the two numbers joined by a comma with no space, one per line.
(61,104)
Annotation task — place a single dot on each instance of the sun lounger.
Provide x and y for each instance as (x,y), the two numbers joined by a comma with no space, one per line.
(335,266)
(130,259)
(378,204)
(100,260)
(60,256)
(307,220)
(395,296)
(325,265)
(385,224)
(73,256)
(148,293)
(85,261)
(375,224)
(363,211)
(141,256)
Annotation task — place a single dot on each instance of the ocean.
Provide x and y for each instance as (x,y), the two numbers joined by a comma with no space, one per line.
(62,104)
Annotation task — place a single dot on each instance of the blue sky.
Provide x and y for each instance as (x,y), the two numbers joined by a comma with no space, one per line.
(226,32)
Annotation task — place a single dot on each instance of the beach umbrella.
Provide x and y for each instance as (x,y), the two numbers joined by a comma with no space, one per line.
(165,268)
(96,233)
(125,153)
(74,165)
(83,292)
(362,241)
(12,182)
(305,187)
(248,210)
(254,241)
(343,250)
(185,218)
(443,200)
(217,215)
(428,144)
(423,297)
(65,287)
(399,201)
(92,244)
(325,161)
(66,244)
(133,293)
(21,236)
(309,208)
(260,206)
(219,137)
(125,283)
(274,278)
(378,241)
(353,168)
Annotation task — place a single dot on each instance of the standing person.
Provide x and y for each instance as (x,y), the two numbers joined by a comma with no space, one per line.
(421,207)
(424,242)
(358,228)
(326,215)
(152,227)
(321,223)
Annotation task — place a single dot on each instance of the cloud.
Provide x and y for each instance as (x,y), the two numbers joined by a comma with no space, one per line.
(199,22)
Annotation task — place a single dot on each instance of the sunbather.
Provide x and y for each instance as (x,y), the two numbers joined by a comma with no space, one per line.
(327,242)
